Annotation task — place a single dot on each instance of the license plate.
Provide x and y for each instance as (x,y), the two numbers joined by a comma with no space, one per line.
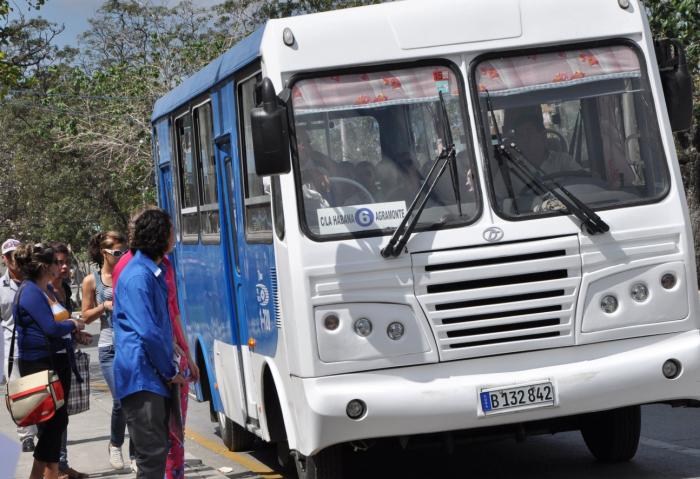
(517,397)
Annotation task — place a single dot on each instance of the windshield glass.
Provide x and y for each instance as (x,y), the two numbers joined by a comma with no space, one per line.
(583,118)
(366,141)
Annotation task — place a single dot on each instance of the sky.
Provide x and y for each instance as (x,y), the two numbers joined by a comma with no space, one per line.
(74,14)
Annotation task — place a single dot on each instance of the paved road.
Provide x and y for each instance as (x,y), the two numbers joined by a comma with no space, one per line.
(670,449)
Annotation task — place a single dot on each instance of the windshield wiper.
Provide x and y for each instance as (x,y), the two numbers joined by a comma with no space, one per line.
(593,223)
(448,156)
(447,135)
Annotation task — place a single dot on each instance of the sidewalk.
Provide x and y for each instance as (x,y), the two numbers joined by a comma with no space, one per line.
(88,434)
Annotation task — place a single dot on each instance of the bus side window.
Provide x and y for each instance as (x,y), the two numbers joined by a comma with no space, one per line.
(258,216)
(206,165)
(187,178)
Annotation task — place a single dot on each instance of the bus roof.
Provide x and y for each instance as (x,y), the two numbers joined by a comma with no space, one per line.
(410,30)
(225,65)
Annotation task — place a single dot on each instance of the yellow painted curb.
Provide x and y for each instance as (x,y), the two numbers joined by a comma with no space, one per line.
(251,464)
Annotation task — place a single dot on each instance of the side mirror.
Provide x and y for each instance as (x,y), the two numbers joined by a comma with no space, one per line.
(270,133)
(677,83)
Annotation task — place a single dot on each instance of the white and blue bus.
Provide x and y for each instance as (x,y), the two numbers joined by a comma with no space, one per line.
(421,217)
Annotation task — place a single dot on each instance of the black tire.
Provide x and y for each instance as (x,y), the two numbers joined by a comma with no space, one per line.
(235,437)
(327,464)
(613,436)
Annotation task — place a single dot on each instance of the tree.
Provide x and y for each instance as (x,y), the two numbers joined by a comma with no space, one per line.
(134,53)
(681,19)
(78,141)
(76,147)
(23,44)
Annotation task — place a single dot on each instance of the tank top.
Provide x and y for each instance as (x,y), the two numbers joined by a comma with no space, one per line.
(104,293)
(60,313)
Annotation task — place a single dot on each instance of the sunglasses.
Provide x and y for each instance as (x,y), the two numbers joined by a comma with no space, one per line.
(117,253)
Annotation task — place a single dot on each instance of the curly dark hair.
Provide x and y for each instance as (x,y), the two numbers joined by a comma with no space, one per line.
(152,233)
(132,223)
(103,240)
(33,260)
(59,247)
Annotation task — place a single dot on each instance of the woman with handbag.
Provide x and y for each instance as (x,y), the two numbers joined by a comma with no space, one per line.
(43,343)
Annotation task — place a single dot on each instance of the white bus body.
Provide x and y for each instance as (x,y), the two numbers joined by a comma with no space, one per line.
(456,290)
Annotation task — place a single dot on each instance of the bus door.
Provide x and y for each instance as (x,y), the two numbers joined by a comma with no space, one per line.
(165,177)
(254,293)
(236,384)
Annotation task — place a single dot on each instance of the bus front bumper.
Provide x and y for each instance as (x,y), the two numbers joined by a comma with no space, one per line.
(446,396)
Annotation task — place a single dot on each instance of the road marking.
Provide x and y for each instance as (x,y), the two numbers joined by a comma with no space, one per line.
(251,464)
(688,451)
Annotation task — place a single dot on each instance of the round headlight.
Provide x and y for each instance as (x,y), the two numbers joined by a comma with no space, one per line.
(363,327)
(395,330)
(288,37)
(639,292)
(331,322)
(609,304)
(356,409)
(668,281)
(671,369)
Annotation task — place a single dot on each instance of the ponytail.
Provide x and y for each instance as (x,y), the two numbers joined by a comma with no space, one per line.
(95,248)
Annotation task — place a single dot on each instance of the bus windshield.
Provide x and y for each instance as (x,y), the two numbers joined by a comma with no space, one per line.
(583,118)
(365,142)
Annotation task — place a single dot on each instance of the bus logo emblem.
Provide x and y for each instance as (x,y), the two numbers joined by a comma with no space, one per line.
(493,234)
(262,294)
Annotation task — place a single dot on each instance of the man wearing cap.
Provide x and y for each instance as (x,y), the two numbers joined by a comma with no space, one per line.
(9,284)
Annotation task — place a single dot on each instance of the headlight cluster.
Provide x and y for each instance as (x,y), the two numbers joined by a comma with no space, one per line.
(389,332)
(639,292)
(363,327)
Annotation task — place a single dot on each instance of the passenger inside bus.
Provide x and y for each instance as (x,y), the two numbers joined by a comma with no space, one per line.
(317,187)
(525,126)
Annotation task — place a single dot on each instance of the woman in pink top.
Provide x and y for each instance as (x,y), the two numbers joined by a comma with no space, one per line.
(175,467)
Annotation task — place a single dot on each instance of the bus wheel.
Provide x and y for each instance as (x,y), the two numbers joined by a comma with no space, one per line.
(327,464)
(235,437)
(613,436)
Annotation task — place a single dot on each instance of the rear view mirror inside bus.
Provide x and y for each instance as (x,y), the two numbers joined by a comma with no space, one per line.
(677,83)
(270,132)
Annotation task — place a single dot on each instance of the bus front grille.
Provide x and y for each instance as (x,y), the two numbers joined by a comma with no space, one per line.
(500,299)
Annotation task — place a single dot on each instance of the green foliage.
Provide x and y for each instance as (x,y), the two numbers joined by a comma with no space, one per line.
(23,44)
(76,147)
(680,19)
(79,146)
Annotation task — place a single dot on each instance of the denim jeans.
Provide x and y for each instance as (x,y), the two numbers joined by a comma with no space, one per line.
(118,426)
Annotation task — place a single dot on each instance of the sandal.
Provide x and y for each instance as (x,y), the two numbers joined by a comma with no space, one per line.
(71,473)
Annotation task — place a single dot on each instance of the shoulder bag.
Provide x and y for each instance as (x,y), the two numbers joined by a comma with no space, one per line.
(34,398)
(79,396)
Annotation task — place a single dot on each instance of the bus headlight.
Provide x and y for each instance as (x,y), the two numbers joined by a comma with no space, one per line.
(639,292)
(363,327)
(668,281)
(643,296)
(331,322)
(395,331)
(608,304)
(387,332)
(356,409)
